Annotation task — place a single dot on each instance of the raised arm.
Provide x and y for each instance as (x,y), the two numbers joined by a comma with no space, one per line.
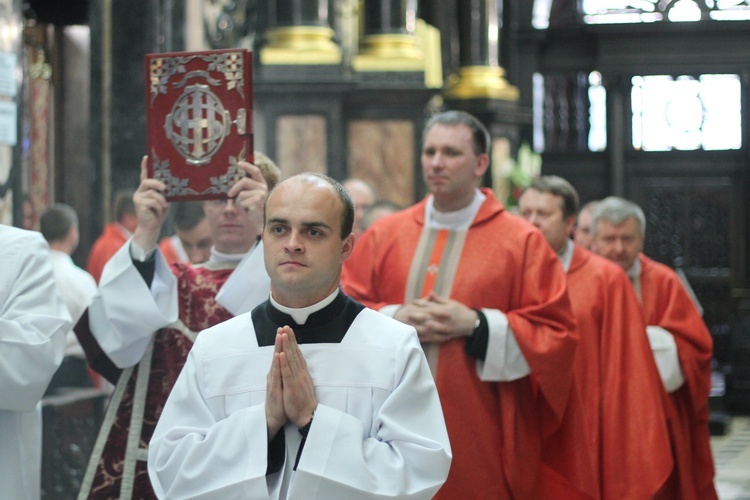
(138,292)
(151,208)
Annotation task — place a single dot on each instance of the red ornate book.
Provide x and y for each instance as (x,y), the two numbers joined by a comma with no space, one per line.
(199,120)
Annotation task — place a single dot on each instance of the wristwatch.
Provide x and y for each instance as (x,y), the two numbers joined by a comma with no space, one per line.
(477,324)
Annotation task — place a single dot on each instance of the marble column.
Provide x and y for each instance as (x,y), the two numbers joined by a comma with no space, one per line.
(480,75)
(299,32)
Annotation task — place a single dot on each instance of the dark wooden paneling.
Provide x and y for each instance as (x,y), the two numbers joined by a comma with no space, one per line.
(58,12)
(697,202)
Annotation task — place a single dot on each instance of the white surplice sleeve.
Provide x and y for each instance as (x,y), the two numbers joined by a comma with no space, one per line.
(194,454)
(405,454)
(504,360)
(33,321)
(248,285)
(667,359)
(125,312)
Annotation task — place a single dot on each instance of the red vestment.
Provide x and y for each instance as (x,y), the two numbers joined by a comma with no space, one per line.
(666,303)
(105,246)
(166,246)
(142,390)
(496,429)
(619,382)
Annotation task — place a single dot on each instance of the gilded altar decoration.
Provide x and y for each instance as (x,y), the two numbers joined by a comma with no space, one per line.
(199,120)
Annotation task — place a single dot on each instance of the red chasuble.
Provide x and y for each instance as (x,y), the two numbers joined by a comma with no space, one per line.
(104,248)
(666,303)
(502,262)
(142,390)
(619,382)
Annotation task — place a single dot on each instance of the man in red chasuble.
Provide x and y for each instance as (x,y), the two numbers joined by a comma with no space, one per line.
(489,302)
(681,344)
(626,430)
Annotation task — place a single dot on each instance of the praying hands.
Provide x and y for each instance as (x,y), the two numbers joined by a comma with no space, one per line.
(438,319)
(290,395)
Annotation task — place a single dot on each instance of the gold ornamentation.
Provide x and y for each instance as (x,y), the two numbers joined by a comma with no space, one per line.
(198,124)
(177,186)
(481,82)
(229,64)
(300,45)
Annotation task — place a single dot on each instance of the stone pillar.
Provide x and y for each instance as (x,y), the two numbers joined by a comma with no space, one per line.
(480,75)
(299,32)
(389,41)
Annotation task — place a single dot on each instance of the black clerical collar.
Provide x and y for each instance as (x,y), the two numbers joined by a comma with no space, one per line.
(318,318)
(328,325)
(300,314)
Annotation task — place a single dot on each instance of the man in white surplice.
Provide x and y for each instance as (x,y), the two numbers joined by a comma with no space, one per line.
(33,322)
(146,315)
(59,226)
(310,395)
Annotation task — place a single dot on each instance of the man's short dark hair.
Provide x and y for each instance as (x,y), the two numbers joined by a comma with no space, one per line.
(480,134)
(56,221)
(187,214)
(122,204)
(557,186)
(347,215)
